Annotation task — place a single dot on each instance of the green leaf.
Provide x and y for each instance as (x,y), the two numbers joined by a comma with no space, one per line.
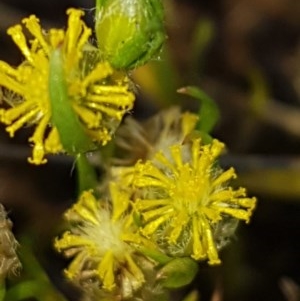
(209,113)
(71,132)
(178,272)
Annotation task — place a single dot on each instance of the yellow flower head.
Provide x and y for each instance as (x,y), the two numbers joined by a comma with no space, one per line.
(141,141)
(100,244)
(183,196)
(97,94)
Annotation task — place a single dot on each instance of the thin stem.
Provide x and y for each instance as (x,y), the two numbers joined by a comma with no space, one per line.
(86,175)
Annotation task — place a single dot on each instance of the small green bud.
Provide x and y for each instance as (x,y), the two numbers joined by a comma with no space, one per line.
(129,32)
(178,272)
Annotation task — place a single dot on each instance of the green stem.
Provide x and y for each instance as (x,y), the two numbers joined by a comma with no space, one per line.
(33,288)
(71,132)
(86,175)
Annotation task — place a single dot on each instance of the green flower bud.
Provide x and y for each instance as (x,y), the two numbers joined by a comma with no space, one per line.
(129,32)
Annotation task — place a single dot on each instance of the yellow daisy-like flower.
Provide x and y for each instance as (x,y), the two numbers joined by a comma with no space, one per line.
(97,94)
(141,141)
(183,196)
(100,242)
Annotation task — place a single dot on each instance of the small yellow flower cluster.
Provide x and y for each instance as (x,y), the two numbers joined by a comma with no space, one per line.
(98,95)
(136,141)
(101,242)
(183,195)
(174,200)
(180,192)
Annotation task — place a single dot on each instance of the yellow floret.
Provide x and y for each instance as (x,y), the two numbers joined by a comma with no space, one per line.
(100,243)
(183,196)
(98,100)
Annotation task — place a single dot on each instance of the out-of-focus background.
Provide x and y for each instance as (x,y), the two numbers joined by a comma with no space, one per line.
(245,54)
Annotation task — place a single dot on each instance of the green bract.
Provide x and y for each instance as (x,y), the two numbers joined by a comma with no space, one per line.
(129,32)
(71,132)
(178,272)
